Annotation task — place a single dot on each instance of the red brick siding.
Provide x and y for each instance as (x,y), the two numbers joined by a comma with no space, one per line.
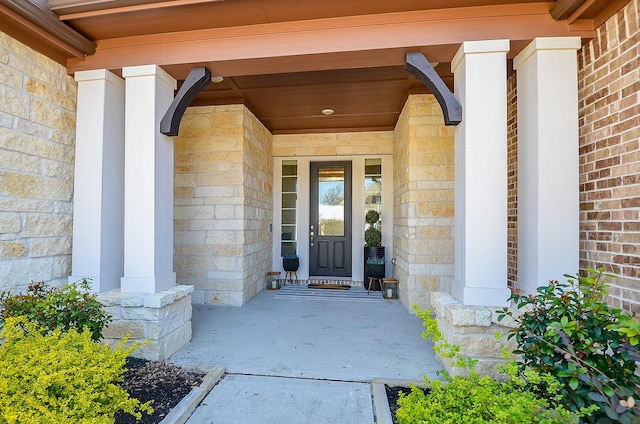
(609,82)
(512,182)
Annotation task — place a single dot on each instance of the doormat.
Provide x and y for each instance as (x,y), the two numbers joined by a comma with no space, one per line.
(354,294)
(329,286)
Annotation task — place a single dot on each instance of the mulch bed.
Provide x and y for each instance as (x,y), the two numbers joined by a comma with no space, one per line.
(393,395)
(163,384)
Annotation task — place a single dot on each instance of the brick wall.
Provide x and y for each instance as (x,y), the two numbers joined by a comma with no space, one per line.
(223,191)
(423,201)
(609,86)
(37,138)
(512,182)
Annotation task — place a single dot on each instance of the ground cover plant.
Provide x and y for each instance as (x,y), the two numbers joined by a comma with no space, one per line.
(480,399)
(61,377)
(569,331)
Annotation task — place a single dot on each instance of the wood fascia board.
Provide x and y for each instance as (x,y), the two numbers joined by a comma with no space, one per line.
(50,24)
(35,37)
(406,30)
(562,9)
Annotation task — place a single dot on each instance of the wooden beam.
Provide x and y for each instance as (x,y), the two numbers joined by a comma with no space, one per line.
(406,31)
(418,65)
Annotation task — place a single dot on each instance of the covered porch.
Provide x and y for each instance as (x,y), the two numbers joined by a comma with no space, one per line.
(193,219)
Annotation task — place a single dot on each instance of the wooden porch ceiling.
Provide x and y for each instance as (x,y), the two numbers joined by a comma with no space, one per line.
(287,60)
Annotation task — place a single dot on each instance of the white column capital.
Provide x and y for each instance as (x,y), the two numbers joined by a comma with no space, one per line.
(147,71)
(473,47)
(546,43)
(99,75)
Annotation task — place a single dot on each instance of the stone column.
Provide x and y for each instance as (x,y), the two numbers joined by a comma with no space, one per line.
(98,207)
(148,228)
(548,186)
(480,179)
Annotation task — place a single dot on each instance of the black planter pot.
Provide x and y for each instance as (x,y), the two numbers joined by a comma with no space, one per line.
(290,264)
(373,270)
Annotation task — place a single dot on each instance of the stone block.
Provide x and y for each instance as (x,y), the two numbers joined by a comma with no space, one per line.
(47,226)
(9,223)
(141,314)
(50,247)
(159,300)
(177,340)
(129,300)
(111,298)
(13,250)
(120,329)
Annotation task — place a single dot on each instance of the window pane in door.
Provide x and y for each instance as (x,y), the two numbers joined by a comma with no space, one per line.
(331,202)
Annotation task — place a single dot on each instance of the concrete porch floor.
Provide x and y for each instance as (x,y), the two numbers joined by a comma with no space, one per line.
(303,360)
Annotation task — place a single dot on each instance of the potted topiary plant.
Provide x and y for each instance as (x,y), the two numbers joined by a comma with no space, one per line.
(374,262)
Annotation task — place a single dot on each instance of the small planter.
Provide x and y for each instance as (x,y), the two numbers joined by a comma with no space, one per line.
(290,264)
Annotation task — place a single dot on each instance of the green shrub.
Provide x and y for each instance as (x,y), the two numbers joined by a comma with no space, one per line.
(476,399)
(568,330)
(70,306)
(61,377)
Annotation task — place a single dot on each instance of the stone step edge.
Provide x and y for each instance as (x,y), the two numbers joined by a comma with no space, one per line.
(183,410)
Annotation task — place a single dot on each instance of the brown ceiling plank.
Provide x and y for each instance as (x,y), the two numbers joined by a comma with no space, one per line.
(274,42)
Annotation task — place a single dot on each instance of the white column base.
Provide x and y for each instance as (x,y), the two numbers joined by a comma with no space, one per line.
(147,284)
(481,296)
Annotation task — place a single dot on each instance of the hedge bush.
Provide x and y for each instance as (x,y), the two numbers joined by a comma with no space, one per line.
(61,377)
(567,329)
(66,307)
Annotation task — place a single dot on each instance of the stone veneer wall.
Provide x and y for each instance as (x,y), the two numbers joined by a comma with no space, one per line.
(223,190)
(512,182)
(333,144)
(37,145)
(423,203)
(609,108)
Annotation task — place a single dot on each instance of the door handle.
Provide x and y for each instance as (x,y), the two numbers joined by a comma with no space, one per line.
(311,237)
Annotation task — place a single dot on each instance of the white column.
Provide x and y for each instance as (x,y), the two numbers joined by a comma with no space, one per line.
(148,228)
(480,78)
(98,205)
(548,187)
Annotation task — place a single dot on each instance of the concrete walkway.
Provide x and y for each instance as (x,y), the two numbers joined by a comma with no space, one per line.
(303,360)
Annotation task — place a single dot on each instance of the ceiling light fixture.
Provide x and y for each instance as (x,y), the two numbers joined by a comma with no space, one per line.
(217,78)
(327,111)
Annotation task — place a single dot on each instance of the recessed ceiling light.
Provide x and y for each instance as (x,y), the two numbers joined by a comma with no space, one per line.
(327,111)
(217,78)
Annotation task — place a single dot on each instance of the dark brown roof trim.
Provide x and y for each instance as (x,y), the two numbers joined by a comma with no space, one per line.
(51,24)
(565,8)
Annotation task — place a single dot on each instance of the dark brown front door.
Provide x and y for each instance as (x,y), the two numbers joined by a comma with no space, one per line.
(330,219)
